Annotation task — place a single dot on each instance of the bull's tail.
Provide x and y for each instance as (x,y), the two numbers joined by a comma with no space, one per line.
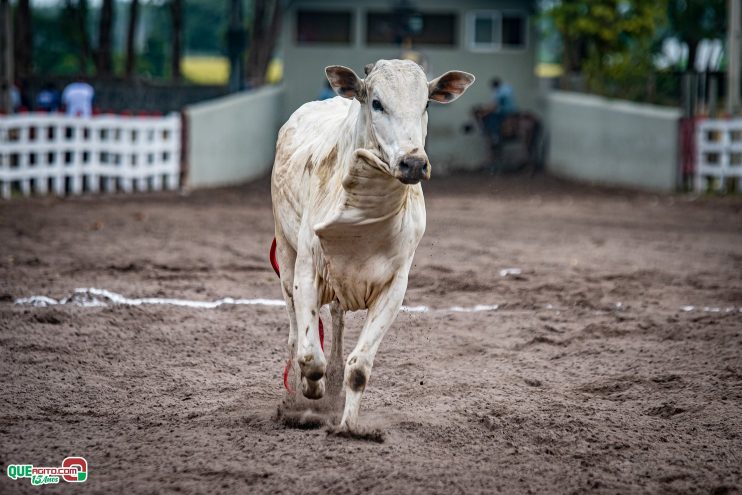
(287,368)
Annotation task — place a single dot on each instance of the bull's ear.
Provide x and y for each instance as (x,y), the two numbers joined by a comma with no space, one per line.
(345,82)
(449,86)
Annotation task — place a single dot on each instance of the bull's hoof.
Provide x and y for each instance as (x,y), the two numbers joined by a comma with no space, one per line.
(313,367)
(313,389)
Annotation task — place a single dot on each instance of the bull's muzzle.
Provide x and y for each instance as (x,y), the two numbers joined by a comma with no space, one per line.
(412,169)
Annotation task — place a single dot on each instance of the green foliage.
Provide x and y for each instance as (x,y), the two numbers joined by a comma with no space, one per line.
(205,26)
(56,41)
(153,60)
(694,20)
(57,38)
(626,74)
(610,42)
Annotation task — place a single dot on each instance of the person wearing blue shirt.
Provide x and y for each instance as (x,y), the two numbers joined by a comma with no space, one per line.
(503,97)
(502,105)
(48,99)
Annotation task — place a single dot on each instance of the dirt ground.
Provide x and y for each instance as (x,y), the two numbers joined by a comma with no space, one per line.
(593,375)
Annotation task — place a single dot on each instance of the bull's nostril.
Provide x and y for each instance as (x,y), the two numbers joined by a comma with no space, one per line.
(404,167)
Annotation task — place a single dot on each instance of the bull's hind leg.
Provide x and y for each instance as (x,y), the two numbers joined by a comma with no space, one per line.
(380,317)
(335,363)
(286,257)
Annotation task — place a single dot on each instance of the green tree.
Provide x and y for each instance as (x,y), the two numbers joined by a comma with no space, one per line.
(694,20)
(205,26)
(607,40)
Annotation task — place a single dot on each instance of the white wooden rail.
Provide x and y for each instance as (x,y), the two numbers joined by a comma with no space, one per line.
(718,154)
(42,153)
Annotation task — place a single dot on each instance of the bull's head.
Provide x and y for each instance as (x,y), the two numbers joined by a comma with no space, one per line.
(394,98)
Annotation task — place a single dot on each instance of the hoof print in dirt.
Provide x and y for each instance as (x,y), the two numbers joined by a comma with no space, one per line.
(301,413)
(302,420)
(665,411)
(367,434)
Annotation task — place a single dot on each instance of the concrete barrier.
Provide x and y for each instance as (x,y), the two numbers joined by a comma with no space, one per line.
(233,139)
(613,142)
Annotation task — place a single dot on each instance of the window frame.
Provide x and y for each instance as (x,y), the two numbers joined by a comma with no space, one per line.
(497,17)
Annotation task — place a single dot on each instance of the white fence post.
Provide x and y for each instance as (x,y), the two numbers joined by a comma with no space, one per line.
(75,155)
(718,154)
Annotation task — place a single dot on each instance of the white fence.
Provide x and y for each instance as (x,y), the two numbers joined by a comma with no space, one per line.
(719,154)
(42,153)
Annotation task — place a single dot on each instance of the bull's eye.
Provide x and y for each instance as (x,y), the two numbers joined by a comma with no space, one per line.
(376,104)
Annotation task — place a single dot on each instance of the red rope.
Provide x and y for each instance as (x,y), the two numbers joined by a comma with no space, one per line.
(287,368)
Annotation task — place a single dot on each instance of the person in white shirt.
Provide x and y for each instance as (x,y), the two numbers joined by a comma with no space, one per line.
(78,99)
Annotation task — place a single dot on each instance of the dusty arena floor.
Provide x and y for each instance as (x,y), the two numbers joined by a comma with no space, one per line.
(612,365)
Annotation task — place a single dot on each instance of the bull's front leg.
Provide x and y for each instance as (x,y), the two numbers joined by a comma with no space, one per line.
(310,358)
(380,317)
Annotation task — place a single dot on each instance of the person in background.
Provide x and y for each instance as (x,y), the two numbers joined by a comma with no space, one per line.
(326,92)
(503,97)
(19,96)
(77,98)
(48,98)
(15,99)
(502,105)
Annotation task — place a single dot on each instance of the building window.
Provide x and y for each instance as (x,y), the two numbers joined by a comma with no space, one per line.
(323,26)
(491,30)
(388,28)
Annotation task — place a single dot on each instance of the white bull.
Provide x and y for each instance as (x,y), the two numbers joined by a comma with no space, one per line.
(349,213)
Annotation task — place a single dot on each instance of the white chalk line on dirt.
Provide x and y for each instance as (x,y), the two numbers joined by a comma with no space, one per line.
(92,297)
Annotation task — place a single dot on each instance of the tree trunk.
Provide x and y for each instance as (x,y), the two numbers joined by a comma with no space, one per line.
(104,60)
(263,40)
(692,50)
(176,12)
(236,47)
(82,26)
(272,36)
(257,34)
(564,80)
(7,58)
(23,40)
(131,55)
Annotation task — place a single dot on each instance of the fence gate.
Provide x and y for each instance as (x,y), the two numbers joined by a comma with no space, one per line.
(42,153)
(718,155)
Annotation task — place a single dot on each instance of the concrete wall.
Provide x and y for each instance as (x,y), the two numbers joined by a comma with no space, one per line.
(447,146)
(612,141)
(233,139)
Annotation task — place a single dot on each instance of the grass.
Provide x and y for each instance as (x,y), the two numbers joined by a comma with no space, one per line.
(213,69)
(205,69)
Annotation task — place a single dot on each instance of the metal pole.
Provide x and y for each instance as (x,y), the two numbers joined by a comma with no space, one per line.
(733,56)
(6,85)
